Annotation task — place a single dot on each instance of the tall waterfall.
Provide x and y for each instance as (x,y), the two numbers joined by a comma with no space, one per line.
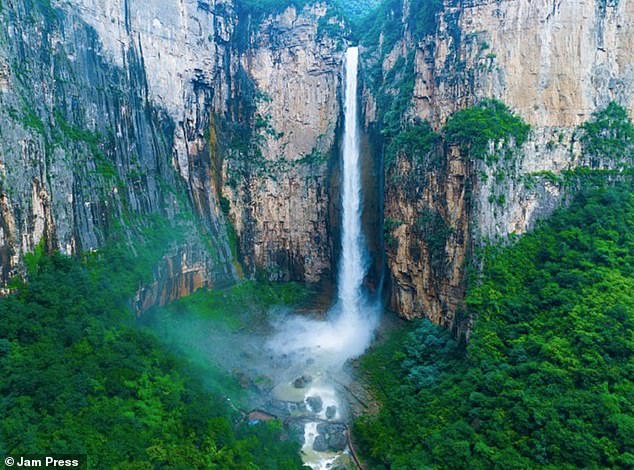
(352,320)
(354,258)
(320,348)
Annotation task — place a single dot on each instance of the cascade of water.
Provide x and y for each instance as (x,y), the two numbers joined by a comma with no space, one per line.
(354,259)
(352,320)
(320,348)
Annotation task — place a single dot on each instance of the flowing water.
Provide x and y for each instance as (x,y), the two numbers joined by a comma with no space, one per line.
(297,364)
(319,349)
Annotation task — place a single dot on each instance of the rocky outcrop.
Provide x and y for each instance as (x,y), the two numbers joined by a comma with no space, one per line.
(427,234)
(553,63)
(216,70)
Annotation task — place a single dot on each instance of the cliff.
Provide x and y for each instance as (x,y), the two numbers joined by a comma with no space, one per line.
(279,173)
(121,116)
(216,123)
(87,152)
(552,63)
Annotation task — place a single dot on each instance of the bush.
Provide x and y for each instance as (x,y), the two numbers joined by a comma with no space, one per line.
(79,378)
(416,142)
(489,121)
(609,135)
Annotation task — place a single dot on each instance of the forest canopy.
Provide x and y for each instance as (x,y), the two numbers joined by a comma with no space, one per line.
(547,377)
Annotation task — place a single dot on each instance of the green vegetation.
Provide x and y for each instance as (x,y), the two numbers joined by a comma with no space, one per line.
(546,379)
(261,8)
(609,135)
(416,141)
(32,120)
(210,328)
(239,306)
(387,20)
(489,121)
(315,157)
(431,227)
(78,377)
(393,94)
(381,31)
(389,225)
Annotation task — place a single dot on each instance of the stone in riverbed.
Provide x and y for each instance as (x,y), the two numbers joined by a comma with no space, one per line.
(320,444)
(301,382)
(296,431)
(337,441)
(343,462)
(331,428)
(315,403)
(331,412)
(334,434)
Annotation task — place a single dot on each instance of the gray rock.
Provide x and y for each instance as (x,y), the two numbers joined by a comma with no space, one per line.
(315,403)
(337,441)
(301,382)
(320,444)
(331,412)
(296,431)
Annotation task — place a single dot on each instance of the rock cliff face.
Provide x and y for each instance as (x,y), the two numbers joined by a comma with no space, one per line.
(222,125)
(87,152)
(280,178)
(553,63)
(119,112)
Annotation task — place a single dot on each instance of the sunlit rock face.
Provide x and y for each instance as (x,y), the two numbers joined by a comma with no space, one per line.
(102,122)
(269,88)
(554,64)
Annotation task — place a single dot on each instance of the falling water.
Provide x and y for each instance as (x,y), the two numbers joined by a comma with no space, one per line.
(320,348)
(353,319)
(354,259)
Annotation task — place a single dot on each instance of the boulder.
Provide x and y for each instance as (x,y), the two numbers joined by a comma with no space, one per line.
(302,381)
(315,403)
(296,430)
(337,441)
(331,412)
(320,444)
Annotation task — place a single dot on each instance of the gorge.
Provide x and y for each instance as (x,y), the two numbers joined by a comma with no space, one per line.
(252,183)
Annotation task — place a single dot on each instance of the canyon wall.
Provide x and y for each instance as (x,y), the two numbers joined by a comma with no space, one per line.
(219,124)
(552,63)
(280,178)
(120,118)
(87,152)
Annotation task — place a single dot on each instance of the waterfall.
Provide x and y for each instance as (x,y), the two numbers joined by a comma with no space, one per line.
(320,348)
(354,259)
(353,319)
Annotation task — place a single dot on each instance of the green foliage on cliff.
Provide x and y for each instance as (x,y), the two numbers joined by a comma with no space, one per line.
(258,9)
(239,305)
(387,23)
(393,93)
(609,134)
(489,121)
(379,33)
(79,377)
(389,225)
(432,227)
(416,142)
(546,379)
